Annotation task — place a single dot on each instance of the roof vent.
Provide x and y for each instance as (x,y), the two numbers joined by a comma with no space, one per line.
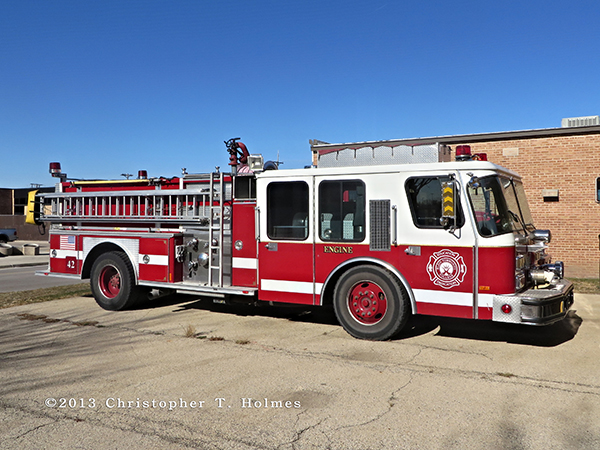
(587,121)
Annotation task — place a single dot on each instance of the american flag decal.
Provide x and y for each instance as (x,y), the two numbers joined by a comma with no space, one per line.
(67,242)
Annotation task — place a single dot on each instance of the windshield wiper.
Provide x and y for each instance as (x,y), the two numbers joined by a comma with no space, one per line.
(518,219)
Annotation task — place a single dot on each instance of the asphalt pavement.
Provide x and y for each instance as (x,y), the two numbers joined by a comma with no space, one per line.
(17,270)
(185,373)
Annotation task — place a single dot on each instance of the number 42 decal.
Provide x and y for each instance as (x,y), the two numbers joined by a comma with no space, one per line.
(71,264)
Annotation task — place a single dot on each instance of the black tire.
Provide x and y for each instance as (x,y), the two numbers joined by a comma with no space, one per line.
(113,283)
(370,303)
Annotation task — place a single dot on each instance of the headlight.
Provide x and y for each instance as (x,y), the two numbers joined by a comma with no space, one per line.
(530,311)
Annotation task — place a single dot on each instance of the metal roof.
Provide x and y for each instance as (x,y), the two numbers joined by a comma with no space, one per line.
(426,167)
(319,146)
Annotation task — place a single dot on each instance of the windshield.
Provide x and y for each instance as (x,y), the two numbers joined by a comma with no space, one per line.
(523,205)
(499,205)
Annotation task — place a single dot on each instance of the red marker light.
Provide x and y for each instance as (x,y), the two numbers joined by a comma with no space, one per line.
(506,309)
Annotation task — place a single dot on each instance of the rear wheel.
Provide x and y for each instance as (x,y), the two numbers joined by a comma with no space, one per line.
(370,303)
(113,283)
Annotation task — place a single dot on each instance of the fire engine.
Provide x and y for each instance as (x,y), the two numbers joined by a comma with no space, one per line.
(379,232)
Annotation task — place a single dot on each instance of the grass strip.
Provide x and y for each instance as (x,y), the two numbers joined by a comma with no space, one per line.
(8,299)
(586,285)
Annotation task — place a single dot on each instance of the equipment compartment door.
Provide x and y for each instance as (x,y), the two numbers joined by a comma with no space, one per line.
(244,263)
(286,245)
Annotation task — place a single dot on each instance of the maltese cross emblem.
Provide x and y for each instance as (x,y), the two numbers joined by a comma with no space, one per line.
(446,269)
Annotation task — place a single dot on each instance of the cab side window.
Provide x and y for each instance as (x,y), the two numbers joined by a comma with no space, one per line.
(342,211)
(287,210)
(425,200)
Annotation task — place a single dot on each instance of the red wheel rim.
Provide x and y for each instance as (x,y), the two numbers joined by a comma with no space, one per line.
(367,303)
(110,281)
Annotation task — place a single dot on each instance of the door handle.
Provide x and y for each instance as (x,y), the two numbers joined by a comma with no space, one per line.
(413,250)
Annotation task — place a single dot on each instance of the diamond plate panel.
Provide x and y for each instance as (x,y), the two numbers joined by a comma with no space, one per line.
(514,316)
(131,247)
(385,155)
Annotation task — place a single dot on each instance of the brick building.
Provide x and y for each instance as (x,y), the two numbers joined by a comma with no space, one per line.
(560,169)
(13,201)
(13,207)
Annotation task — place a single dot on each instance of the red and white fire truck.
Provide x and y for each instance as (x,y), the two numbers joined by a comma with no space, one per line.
(378,231)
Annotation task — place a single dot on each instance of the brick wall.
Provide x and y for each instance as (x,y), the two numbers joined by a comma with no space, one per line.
(570,164)
(24,231)
(6,201)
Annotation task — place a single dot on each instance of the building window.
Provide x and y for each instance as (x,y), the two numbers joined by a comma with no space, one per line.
(287,210)
(342,211)
(20,204)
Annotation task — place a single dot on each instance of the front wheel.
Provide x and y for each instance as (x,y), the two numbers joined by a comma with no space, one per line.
(370,303)
(112,282)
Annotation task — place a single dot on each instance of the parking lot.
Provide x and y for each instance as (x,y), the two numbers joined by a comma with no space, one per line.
(188,373)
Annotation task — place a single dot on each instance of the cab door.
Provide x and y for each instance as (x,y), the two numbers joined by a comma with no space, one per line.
(438,258)
(286,241)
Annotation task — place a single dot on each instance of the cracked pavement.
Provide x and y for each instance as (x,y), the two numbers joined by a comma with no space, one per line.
(286,378)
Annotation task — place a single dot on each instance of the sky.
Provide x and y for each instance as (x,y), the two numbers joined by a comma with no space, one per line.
(110,87)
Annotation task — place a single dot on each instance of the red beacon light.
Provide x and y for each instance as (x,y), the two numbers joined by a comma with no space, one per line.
(463,153)
(55,169)
(142,174)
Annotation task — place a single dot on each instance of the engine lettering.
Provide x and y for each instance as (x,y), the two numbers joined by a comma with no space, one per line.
(337,249)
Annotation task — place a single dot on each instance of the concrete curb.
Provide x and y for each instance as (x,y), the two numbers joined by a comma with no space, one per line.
(26,264)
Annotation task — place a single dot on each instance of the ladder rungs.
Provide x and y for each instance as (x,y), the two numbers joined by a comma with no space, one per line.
(182,204)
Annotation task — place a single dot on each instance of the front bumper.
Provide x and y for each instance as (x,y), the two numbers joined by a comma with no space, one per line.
(535,306)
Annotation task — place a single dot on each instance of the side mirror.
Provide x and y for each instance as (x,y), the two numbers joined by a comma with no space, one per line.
(474,182)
